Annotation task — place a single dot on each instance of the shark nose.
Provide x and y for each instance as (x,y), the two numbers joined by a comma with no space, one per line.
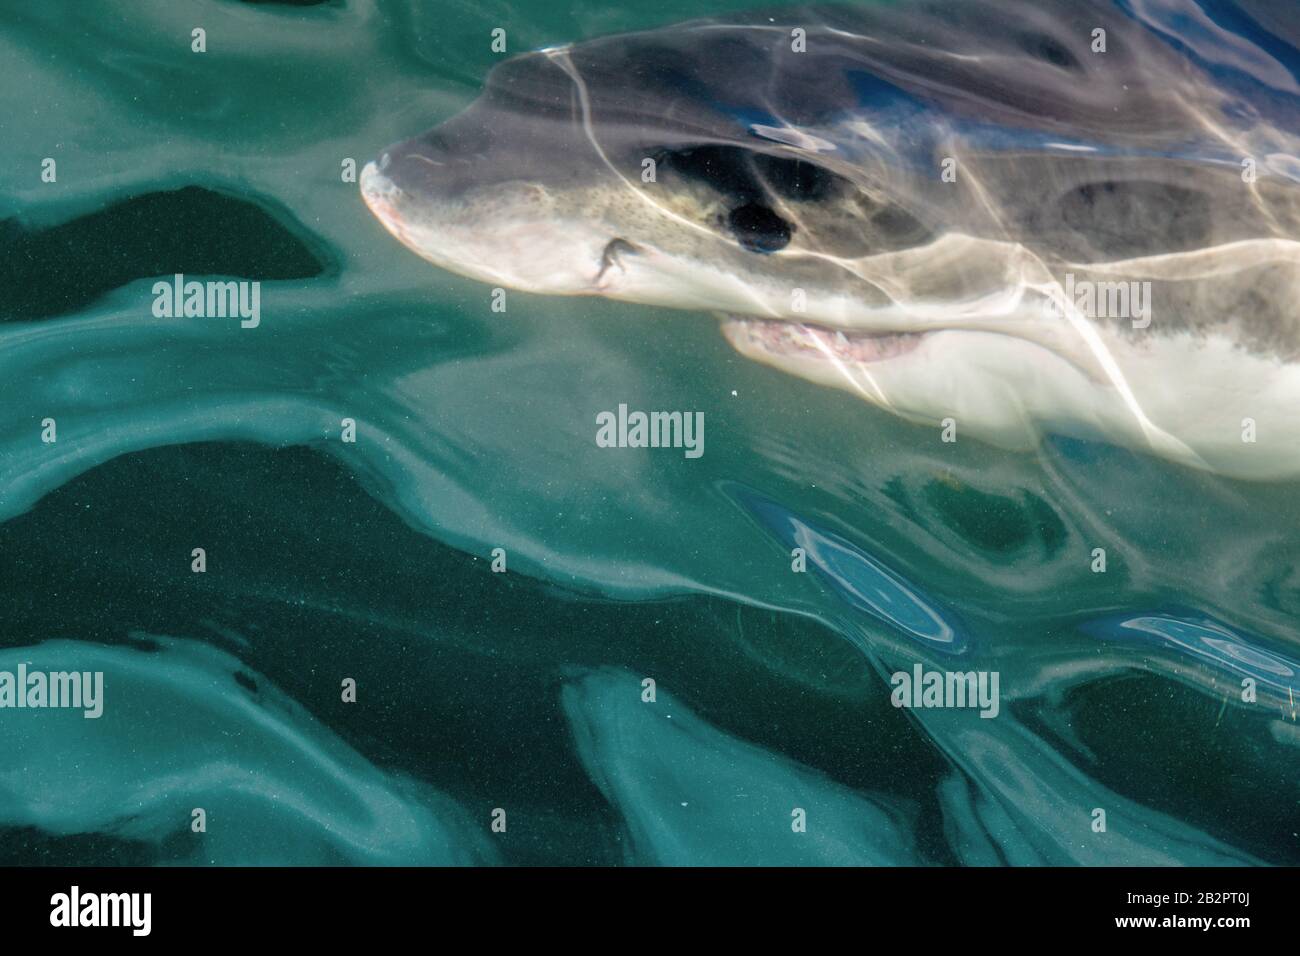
(381,194)
(375,183)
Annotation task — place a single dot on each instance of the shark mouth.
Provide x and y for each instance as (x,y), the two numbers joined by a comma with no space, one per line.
(805,340)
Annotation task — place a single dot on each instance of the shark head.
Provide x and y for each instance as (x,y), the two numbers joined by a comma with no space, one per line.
(602,170)
(891,202)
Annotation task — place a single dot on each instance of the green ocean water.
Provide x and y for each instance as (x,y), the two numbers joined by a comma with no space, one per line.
(520,696)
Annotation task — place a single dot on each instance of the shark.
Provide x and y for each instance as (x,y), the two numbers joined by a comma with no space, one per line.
(1001,217)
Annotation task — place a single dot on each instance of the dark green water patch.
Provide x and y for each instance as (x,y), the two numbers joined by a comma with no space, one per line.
(999,524)
(459,671)
(193,230)
(1220,779)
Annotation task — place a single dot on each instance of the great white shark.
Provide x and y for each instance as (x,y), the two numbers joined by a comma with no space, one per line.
(1004,216)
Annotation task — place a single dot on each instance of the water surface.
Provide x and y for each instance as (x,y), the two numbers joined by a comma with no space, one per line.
(523,691)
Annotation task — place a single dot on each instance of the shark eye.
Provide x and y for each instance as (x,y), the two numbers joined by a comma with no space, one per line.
(1047,49)
(759,229)
(794,178)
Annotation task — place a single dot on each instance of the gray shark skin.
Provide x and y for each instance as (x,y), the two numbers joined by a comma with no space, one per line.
(1003,217)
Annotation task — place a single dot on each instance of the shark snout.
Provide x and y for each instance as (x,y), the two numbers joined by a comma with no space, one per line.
(383,196)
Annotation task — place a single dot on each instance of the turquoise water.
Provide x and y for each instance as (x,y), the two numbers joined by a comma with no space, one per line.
(523,691)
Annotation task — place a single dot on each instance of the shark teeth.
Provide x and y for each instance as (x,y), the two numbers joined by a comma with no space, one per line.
(814,341)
